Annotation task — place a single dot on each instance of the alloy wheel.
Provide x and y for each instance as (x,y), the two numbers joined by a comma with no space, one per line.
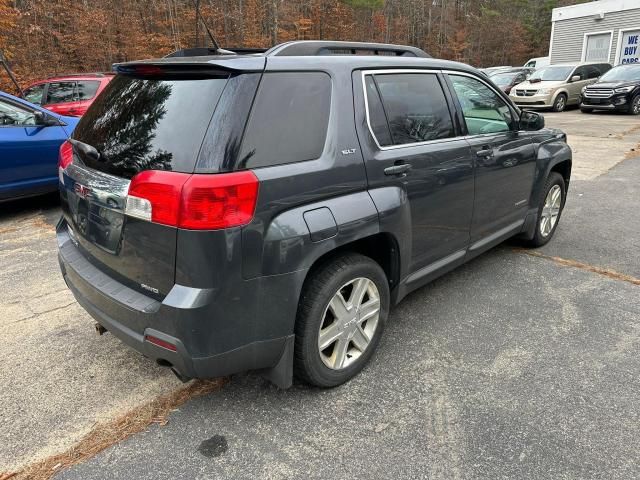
(560,103)
(635,106)
(349,323)
(551,210)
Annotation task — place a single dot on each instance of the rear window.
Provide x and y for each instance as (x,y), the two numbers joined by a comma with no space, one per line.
(289,119)
(149,124)
(87,89)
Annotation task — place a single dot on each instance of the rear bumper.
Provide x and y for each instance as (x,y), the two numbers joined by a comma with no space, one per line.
(183,318)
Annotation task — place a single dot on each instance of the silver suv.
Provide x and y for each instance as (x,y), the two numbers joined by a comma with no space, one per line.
(557,86)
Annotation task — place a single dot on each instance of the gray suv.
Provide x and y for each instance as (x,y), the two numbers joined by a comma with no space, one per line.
(264,211)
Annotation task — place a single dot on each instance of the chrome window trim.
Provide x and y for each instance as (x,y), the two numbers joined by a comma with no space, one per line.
(477,77)
(366,106)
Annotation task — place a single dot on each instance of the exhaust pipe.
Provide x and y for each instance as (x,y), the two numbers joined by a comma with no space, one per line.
(100,329)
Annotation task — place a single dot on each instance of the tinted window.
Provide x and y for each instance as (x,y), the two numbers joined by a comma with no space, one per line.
(592,72)
(377,117)
(289,119)
(61,92)
(12,115)
(580,72)
(87,89)
(483,109)
(34,94)
(142,124)
(415,106)
(604,68)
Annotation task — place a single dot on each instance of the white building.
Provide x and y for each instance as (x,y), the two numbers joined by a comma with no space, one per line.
(601,31)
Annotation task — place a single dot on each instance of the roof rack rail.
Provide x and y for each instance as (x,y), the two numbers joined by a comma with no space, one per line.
(320,47)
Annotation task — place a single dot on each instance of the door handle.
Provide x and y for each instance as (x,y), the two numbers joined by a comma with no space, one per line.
(485,152)
(399,169)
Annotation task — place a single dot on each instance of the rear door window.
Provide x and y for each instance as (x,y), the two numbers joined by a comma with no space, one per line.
(87,89)
(377,118)
(149,124)
(289,119)
(415,107)
(61,92)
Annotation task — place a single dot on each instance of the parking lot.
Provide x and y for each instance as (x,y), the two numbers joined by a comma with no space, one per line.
(517,365)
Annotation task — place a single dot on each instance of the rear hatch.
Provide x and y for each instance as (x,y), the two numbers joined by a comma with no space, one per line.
(146,120)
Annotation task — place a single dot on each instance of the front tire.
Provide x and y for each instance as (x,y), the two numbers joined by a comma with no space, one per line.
(560,103)
(341,315)
(634,107)
(549,210)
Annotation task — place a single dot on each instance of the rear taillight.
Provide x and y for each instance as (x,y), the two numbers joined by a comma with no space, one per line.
(195,202)
(66,154)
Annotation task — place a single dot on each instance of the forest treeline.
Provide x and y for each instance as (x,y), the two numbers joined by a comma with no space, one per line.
(47,37)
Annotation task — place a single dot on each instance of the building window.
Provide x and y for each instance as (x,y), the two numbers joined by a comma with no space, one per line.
(597,47)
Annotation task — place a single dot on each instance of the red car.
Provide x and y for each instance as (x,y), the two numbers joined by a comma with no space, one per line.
(68,95)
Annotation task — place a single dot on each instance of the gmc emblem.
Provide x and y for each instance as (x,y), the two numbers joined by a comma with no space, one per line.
(81,190)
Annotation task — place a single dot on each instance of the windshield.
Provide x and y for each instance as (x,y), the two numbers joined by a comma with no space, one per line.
(502,79)
(556,73)
(622,73)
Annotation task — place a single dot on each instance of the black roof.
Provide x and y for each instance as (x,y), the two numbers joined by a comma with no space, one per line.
(304,55)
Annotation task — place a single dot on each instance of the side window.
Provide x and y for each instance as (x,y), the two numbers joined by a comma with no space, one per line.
(483,109)
(604,68)
(289,119)
(581,72)
(377,117)
(592,72)
(12,115)
(416,107)
(61,92)
(87,89)
(34,94)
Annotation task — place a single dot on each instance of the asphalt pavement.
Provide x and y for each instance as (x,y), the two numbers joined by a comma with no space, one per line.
(512,366)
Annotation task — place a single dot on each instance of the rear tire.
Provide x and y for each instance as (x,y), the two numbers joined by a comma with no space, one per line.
(549,210)
(560,103)
(338,306)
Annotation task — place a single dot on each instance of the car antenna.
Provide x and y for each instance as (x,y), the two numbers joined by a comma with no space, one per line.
(5,64)
(216,45)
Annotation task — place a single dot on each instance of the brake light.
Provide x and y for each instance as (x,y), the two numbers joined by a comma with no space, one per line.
(65,156)
(194,202)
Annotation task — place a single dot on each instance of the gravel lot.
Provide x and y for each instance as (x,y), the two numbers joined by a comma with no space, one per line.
(513,366)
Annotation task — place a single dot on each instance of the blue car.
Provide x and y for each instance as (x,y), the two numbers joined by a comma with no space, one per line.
(30,137)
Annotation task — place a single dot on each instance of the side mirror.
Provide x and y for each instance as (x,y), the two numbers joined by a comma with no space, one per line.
(531,121)
(576,78)
(44,120)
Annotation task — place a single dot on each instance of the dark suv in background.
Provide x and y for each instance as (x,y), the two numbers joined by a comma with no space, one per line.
(264,212)
(618,89)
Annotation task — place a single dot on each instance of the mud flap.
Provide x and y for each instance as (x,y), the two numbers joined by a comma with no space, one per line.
(281,375)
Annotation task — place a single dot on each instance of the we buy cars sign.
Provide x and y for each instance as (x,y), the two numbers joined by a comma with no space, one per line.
(630,45)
